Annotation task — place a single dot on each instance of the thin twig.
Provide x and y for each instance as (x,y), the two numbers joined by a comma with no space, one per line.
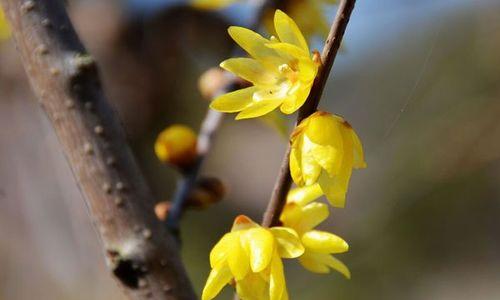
(140,252)
(208,130)
(330,50)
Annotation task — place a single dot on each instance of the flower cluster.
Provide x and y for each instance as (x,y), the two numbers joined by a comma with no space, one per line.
(324,151)
(4,26)
(250,258)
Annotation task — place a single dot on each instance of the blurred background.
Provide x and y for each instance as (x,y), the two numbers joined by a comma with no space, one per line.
(419,81)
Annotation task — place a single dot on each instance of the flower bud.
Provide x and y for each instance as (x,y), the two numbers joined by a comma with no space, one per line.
(177,145)
(161,210)
(208,190)
(211,81)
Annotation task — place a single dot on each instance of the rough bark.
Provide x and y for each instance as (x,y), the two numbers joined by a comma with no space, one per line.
(140,252)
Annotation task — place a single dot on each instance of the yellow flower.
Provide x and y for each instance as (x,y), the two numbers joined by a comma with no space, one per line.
(4,26)
(176,145)
(281,70)
(301,214)
(325,149)
(251,256)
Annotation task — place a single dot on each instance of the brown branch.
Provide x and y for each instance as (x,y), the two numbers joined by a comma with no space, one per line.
(332,45)
(208,130)
(140,252)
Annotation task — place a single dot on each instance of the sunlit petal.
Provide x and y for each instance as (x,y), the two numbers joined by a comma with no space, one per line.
(289,243)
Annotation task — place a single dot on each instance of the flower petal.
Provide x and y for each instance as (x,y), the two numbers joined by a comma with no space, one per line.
(238,261)
(359,157)
(260,108)
(328,157)
(243,222)
(311,262)
(252,287)
(296,163)
(335,188)
(277,278)
(312,215)
(288,50)
(325,129)
(288,31)
(217,279)
(234,101)
(324,242)
(289,244)
(221,250)
(249,69)
(310,168)
(337,265)
(304,195)
(259,244)
(251,42)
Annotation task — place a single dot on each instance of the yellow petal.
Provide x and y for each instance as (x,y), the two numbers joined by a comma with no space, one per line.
(289,244)
(325,129)
(251,42)
(288,50)
(335,188)
(312,215)
(291,216)
(310,261)
(337,265)
(308,70)
(243,222)
(221,250)
(321,263)
(288,31)
(259,244)
(217,279)
(295,165)
(260,108)
(252,287)
(277,278)
(359,157)
(238,261)
(234,101)
(310,168)
(328,157)
(304,195)
(324,242)
(249,69)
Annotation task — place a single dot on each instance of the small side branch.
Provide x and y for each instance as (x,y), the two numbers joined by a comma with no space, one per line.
(330,50)
(140,252)
(208,130)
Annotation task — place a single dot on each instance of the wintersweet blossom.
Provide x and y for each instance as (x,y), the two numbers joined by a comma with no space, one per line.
(4,26)
(325,149)
(250,257)
(303,215)
(176,145)
(282,71)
